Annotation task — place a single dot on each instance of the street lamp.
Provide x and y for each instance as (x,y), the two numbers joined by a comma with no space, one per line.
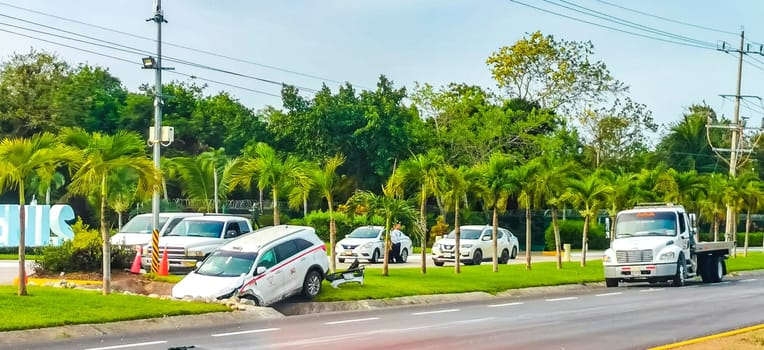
(149,63)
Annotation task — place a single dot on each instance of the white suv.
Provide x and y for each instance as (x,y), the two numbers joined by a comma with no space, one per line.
(368,242)
(476,245)
(137,231)
(268,265)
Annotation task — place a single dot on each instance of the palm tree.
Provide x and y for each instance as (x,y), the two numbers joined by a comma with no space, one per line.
(712,203)
(220,166)
(752,197)
(270,170)
(327,182)
(588,195)
(527,196)
(550,182)
(299,195)
(106,155)
(201,178)
(457,185)
(123,192)
(20,159)
(422,170)
(389,206)
(624,185)
(44,187)
(498,182)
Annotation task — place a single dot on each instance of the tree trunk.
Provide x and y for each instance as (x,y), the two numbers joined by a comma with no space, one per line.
(716,228)
(747,230)
(164,188)
(47,196)
(556,229)
(332,235)
(584,240)
(305,205)
(528,238)
(423,227)
(119,221)
(275,200)
(215,179)
(22,242)
(458,236)
(495,242)
(386,256)
(106,288)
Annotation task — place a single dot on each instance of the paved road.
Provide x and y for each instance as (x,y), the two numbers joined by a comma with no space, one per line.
(636,316)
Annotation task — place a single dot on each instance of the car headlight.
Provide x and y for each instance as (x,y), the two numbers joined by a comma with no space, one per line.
(668,256)
(605,258)
(367,245)
(466,246)
(195,253)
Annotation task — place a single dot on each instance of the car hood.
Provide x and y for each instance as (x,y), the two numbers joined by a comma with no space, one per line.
(201,286)
(131,239)
(452,241)
(187,242)
(357,241)
(654,243)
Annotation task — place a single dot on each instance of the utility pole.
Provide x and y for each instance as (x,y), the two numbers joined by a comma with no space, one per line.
(737,131)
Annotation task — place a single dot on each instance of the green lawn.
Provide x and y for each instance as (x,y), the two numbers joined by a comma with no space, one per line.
(16,257)
(50,307)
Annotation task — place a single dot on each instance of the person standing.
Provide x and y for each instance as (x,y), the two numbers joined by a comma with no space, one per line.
(395,238)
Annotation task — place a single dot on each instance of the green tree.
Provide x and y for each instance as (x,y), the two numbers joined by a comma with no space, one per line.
(456,186)
(588,195)
(712,203)
(497,179)
(203,178)
(327,182)
(527,197)
(751,198)
(551,181)
(91,98)
(106,155)
(686,146)
(270,170)
(20,159)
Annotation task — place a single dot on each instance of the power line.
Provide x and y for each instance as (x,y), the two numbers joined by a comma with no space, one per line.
(307,75)
(611,28)
(667,19)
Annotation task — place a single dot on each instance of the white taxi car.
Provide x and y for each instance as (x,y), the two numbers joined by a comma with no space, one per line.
(476,245)
(368,242)
(266,266)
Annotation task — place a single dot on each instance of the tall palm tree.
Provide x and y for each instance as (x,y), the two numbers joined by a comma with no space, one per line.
(270,170)
(104,156)
(299,195)
(44,187)
(624,185)
(123,192)
(454,189)
(498,182)
(588,195)
(527,197)
(220,166)
(20,159)
(551,182)
(327,182)
(201,178)
(751,199)
(712,202)
(422,170)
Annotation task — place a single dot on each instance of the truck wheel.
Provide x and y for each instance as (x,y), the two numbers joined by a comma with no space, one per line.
(611,282)
(716,269)
(312,285)
(679,277)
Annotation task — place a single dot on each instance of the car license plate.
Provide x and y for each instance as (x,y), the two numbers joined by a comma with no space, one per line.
(448,255)
(347,252)
(189,263)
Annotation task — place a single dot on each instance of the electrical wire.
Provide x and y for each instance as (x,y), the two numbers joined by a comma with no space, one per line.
(668,19)
(240,60)
(609,27)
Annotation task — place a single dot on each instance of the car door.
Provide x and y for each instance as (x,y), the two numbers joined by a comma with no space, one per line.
(271,281)
(486,242)
(293,264)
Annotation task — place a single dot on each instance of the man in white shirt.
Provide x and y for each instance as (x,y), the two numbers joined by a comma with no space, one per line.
(395,238)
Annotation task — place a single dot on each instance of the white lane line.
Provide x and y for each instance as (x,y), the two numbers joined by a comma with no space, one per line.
(246,332)
(133,345)
(507,304)
(651,290)
(748,280)
(475,320)
(434,312)
(725,282)
(351,321)
(561,299)
(608,294)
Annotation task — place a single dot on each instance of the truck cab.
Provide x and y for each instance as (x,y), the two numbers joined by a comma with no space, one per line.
(657,242)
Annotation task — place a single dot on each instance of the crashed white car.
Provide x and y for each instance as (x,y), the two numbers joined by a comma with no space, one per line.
(266,266)
(368,242)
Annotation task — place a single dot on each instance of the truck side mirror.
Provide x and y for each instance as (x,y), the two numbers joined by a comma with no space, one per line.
(607,227)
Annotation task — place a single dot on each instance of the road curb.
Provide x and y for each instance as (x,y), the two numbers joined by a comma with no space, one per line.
(710,337)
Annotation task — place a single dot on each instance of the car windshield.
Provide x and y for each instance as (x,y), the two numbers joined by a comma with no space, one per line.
(364,232)
(227,263)
(197,228)
(646,224)
(466,233)
(142,224)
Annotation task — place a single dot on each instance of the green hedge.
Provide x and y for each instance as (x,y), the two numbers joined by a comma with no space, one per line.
(571,231)
(345,223)
(754,238)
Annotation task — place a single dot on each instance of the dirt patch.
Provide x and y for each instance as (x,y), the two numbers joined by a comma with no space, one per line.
(120,282)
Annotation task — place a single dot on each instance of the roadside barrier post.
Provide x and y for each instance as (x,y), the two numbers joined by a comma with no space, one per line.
(566,252)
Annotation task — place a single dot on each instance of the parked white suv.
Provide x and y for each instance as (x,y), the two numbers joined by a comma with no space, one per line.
(268,265)
(476,245)
(368,242)
(137,231)
(193,238)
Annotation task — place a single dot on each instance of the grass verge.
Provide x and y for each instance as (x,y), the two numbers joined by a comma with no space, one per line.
(16,257)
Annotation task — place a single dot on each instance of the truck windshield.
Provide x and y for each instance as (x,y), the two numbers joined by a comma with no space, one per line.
(142,224)
(198,228)
(645,224)
(227,263)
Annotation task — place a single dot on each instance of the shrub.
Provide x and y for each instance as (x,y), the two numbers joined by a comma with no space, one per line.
(571,231)
(344,223)
(754,238)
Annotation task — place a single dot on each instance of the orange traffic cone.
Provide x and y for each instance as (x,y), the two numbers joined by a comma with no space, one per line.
(164,266)
(136,268)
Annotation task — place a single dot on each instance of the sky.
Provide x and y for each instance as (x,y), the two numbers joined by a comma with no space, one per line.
(307,43)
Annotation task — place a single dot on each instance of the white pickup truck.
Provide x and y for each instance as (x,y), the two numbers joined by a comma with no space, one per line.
(193,238)
(657,242)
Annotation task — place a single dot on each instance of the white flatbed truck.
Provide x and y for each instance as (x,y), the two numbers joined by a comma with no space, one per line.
(658,242)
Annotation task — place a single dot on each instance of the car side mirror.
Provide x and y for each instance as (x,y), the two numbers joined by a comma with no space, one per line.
(198,264)
(260,270)
(607,227)
(486,238)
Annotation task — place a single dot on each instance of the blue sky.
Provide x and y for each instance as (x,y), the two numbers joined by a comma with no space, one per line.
(432,41)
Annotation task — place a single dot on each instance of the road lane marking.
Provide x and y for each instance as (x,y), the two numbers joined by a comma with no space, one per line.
(725,282)
(507,304)
(474,320)
(246,332)
(354,320)
(561,299)
(748,280)
(651,290)
(133,345)
(702,339)
(608,294)
(434,312)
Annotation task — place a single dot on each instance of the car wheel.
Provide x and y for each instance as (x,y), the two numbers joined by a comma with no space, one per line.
(374,256)
(679,277)
(477,257)
(312,285)
(437,263)
(341,260)
(514,253)
(404,255)
(611,282)
(504,258)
